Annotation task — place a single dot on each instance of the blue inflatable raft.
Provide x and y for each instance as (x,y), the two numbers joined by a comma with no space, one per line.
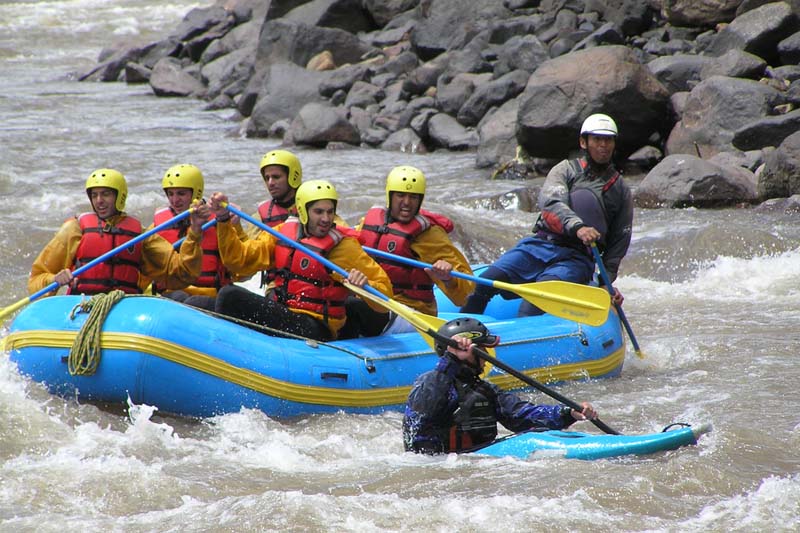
(187,362)
(577,445)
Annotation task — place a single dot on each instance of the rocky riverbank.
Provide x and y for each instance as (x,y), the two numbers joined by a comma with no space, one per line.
(704,91)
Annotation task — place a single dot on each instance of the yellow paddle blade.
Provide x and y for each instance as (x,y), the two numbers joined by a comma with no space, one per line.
(581,303)
(422,322)
(13,307)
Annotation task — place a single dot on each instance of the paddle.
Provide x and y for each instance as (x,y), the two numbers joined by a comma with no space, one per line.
(620,312)
(210,223)
(581,303)
(424,323)
(94,262)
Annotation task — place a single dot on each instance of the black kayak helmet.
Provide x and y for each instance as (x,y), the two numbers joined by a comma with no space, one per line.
(466,327)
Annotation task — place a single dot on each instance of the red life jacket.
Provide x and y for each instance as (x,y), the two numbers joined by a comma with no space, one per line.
(272,213)
(118,272)
(212,272)
(396,238)
(302,282)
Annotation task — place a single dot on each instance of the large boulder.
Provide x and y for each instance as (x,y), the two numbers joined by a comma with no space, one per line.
(446,24)
(562,92)
(170,79)
(781,174)
(284,41)
(767,131)
(287,88)
(497,135)
(758,32)
(698,12)
(715,110)
(318,124)
(685,180)
(348,15)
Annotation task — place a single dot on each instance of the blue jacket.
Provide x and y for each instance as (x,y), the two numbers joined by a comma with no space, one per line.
(434,399)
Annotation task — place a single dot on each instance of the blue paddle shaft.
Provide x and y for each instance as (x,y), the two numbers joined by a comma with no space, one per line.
(329,264)
(419,264)
(207,225)
(604,276)
(111,253)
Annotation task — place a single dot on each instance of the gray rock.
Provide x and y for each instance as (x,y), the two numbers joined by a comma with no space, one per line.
(318,124)
(445,132)
(170,79)
(780,176)
(685,180)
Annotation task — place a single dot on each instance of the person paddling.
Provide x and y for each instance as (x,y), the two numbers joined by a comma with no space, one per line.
(307,299)
(401,227)
(183,186)
(89,235)
(451,409)
(582,201)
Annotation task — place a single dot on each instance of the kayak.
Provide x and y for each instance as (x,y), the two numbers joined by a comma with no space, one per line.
(586,446)
(189,362)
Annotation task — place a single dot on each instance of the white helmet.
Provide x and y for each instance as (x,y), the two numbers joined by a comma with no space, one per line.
(599,124)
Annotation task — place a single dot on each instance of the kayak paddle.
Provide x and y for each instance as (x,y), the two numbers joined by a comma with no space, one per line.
(620,312)
(580,303)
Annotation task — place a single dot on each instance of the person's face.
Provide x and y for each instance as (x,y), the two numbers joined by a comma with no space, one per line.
(404,206)
(320,217)
(180,198)
(276,178)
(104,201)
(599,147)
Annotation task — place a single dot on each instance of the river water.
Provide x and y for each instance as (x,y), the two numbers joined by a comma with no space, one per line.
(712,297)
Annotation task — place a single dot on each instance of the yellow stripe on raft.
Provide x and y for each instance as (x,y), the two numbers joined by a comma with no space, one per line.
(284,389)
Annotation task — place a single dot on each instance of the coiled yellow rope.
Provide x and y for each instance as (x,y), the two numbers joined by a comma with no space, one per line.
(84,356)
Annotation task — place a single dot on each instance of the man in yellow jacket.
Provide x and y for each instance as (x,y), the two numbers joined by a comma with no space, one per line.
(403,229)
(183,186)
(307,300)
(89,235)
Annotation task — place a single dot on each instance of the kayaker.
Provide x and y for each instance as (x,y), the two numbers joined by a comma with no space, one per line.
(89,235)
(451,409)
(183,185)
(402,228)
(307,299)
(582,201)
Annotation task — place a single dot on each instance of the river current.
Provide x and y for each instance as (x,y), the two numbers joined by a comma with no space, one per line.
(712,296)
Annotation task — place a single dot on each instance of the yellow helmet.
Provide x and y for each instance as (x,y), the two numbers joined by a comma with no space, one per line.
(311,191)
(404,179)
(184,177)
(285,159)
(112,179)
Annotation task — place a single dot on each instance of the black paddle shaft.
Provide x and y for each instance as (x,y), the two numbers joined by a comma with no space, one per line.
(528,380)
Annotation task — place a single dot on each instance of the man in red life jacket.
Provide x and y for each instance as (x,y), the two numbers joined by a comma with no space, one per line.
(183,184)
(89,235)
(282,175)
(402,228)
(307,299)
(582,201)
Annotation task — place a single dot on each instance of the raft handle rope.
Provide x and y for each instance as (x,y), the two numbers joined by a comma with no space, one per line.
(311,343)
(84,356)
